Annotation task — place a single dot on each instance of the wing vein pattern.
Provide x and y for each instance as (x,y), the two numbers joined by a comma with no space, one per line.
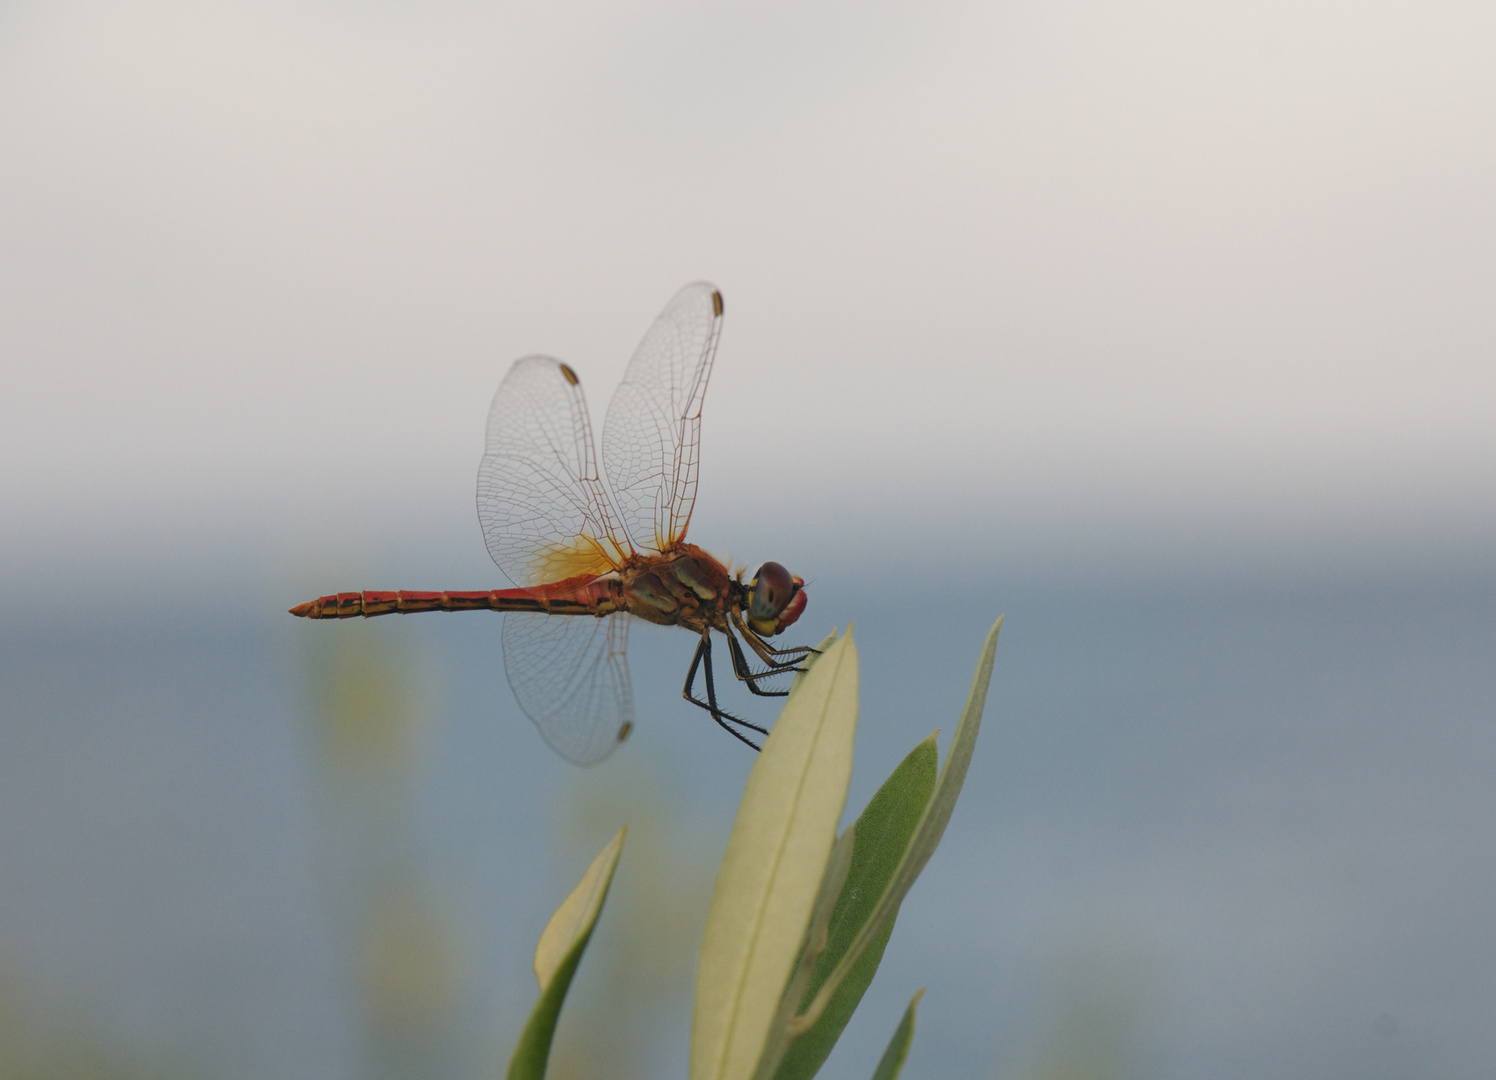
(570,675)
(545,514)
(652,435)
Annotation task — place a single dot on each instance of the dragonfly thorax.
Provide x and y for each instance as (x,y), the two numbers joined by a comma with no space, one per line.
(685,587)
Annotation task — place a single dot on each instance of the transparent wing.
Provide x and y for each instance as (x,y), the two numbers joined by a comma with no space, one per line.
(570,675)
(652,436)
(545,514)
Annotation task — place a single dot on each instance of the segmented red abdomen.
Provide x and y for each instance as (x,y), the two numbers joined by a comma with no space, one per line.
(583,596)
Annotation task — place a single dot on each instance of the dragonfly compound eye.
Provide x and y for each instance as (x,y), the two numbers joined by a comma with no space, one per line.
(772,589)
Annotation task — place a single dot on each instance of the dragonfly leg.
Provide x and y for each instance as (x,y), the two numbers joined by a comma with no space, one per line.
(774,665)
(797,652)
(750,677)
(703,656)
(778,659)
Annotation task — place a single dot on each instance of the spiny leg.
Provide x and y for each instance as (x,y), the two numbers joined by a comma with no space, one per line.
(750,677)
(779,659)
(794,653)
(711,690)
(778,664)
(776,659)
(704,652)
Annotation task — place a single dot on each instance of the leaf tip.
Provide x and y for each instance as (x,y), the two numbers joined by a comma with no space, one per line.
(573,920)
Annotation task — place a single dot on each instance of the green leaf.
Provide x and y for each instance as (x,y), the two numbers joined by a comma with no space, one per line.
(926,838)
(557,955)
(813,945)
(772,872)
(892,1062)
(881,836)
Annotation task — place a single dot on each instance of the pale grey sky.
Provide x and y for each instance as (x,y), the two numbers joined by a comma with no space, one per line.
(1076,275)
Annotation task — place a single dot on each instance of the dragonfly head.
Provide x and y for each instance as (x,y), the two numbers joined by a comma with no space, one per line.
(775,599)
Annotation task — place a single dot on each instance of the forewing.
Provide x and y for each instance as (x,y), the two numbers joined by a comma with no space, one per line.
(545,514)
(652,436)
(570,675)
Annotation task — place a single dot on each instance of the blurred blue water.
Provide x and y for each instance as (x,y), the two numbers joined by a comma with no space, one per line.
(1255,820)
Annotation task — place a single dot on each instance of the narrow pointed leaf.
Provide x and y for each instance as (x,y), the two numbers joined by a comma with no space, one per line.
(813,946)
(926,837)
(557,955)
(898,1047)
(809,661)
(881,837)
(772,871)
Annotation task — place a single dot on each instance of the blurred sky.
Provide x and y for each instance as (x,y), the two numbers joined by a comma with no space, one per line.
(1094,286)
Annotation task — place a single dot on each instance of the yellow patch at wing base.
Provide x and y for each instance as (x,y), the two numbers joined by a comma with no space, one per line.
(586,557)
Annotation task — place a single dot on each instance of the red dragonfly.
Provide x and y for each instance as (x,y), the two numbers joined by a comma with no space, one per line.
(577,544)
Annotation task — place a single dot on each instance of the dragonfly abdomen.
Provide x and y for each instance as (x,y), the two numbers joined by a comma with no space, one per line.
(586,601)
